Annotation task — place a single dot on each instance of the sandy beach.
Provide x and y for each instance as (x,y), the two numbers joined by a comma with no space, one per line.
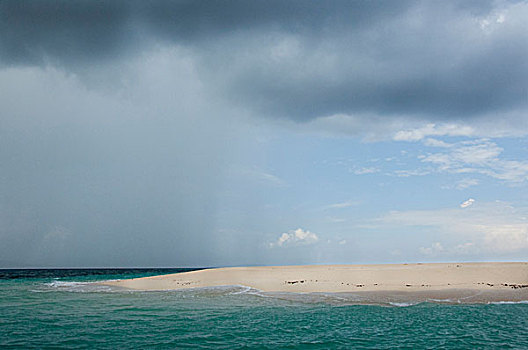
(490,281)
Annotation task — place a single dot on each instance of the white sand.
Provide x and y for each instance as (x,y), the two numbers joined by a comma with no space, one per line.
(510,276)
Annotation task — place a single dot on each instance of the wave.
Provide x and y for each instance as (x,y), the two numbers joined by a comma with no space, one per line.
(404,304)
(508,302)
(73,286)
(248,294)
(443,301)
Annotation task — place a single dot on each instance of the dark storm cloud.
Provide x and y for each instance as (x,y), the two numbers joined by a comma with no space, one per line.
(34,31)
(90,178)
(299,59)
(66,30)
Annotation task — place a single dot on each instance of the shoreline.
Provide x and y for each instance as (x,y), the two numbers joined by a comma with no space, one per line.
(480,282)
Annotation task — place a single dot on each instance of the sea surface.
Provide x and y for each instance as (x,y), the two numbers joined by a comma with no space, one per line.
(64,308)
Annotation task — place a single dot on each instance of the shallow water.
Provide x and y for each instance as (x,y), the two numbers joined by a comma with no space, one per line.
(65,309)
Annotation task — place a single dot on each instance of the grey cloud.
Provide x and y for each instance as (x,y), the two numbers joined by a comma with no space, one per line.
(92,178)
(297,59)
(63,30)
(441,67)
(34,32)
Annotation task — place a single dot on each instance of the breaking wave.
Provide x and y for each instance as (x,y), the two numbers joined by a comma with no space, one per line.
(243,293)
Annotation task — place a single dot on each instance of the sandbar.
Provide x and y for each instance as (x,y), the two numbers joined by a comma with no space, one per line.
(489,281)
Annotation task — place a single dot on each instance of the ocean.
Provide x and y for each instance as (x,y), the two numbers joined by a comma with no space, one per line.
(63,308)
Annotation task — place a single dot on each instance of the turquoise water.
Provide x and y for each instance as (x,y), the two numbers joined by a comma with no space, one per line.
(63,309)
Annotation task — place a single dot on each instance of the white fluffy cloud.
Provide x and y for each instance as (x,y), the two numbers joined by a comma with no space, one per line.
(467,203)
(296,237)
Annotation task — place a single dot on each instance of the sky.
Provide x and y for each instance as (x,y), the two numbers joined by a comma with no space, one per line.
(199,133)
